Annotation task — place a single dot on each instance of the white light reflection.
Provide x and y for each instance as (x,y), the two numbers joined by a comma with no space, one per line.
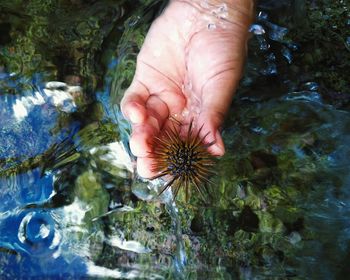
(25,104)
(74,213)
(133,246)
(73,232)
(117,156)
(57,94)
(99,271)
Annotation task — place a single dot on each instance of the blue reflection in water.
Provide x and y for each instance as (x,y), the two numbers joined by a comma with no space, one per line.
(30,239)
(34,239)
(32,233)
(51,226)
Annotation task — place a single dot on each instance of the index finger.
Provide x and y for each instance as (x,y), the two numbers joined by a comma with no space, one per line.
(133,104)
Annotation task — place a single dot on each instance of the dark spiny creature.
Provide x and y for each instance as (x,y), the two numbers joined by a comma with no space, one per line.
(183,161)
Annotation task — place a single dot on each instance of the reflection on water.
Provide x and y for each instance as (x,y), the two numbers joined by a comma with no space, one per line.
(72,205)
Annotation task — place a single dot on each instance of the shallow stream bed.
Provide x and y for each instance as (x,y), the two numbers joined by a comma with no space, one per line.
(72,206)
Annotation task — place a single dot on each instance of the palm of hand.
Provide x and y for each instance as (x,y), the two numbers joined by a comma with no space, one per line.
(184,70)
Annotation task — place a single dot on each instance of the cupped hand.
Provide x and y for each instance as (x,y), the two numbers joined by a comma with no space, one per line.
(188,69)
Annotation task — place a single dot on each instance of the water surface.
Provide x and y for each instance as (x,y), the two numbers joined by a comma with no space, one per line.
(73,207)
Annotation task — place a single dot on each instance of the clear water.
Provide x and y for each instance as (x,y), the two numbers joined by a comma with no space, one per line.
(72,206)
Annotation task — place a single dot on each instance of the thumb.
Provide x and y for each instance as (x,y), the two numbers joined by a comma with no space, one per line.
(216,101)
(212,122)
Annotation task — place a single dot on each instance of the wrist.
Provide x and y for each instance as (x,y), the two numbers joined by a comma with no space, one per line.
(245,6)
(235,11)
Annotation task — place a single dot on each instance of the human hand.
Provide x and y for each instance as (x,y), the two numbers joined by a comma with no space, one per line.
(188,68)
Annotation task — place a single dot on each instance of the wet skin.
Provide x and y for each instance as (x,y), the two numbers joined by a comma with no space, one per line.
(188,68)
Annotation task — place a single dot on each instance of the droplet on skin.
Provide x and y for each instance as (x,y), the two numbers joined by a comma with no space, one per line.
(189,85)
(185,113)
(157,52)
(222,11)
(211,26)
(204,4)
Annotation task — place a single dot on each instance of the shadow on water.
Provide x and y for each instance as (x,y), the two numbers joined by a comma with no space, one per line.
(71,204)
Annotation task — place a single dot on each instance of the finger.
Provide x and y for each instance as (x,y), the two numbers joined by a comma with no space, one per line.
(224,60)
(218,92)
(212,121)
(157,109)
(175,99)
(141,139)
(133,104)
(217,96)
(145,167)
(218,148)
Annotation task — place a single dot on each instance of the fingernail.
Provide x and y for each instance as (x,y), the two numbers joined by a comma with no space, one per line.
(154,122)
(220,150)
(135,114)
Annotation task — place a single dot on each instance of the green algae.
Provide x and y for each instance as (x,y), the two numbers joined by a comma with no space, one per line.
(276,207)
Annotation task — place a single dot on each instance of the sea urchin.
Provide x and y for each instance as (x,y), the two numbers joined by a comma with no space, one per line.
(183,161)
